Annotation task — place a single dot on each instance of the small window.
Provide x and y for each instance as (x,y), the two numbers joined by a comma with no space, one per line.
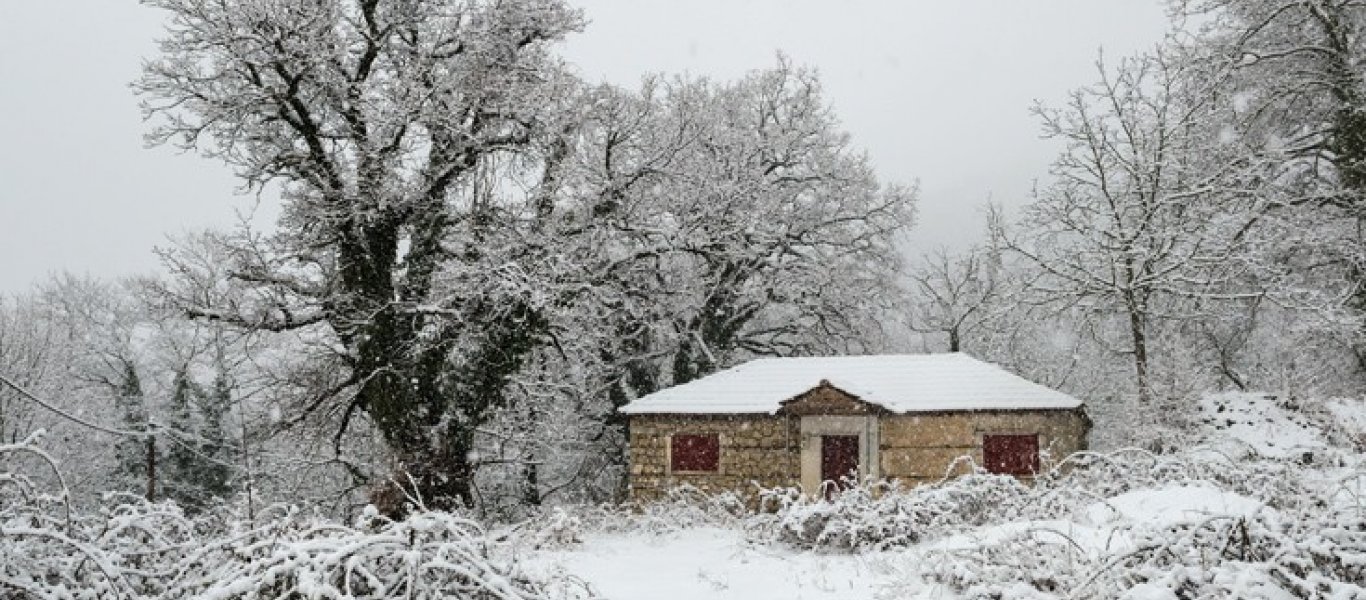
(695,452)
(1011,454)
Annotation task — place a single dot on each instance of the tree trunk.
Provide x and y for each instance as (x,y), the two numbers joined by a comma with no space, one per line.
(1138,329)
(401,376)
(531,485)
(428,408)
(151,469)
(531,482)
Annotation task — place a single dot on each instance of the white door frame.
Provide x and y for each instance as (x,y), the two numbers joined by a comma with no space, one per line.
(815,426)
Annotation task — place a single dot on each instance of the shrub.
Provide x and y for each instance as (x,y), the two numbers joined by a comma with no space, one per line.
(873,515)
(134,549)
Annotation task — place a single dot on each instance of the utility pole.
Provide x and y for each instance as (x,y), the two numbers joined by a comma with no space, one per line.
(151,468)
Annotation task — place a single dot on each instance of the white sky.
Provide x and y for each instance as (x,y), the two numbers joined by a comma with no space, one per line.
(934,90)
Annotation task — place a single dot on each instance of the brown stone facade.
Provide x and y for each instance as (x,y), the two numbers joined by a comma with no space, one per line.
(784,449)
(755,450)
(917,448)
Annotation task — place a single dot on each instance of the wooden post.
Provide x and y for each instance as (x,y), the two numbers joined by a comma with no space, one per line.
(151,469)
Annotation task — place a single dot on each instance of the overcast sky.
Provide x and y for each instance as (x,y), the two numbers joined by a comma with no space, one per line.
(935,91)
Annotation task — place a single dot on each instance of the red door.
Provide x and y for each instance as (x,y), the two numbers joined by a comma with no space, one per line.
(839,459)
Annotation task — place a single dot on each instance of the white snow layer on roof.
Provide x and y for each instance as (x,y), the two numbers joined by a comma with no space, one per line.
(899,383)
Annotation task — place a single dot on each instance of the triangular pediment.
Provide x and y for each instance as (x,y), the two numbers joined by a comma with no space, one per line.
(826,399)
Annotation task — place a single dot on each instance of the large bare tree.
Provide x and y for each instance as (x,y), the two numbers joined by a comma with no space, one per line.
(1141,205)
(380,121)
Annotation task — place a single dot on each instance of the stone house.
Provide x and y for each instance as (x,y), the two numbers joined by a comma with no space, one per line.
(805,421)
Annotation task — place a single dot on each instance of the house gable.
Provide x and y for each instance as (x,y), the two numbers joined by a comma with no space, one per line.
(826,399)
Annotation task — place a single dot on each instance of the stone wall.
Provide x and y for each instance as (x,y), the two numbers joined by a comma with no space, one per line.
(766,450)
(917,448)
(760,449)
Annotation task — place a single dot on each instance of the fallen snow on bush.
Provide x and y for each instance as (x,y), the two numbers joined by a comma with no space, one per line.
(1103,527)
(134,550)
(1284,520)
(1348,417)
(1172,505)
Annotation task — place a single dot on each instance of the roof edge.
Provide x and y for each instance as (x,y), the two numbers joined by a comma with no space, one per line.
(1080,406)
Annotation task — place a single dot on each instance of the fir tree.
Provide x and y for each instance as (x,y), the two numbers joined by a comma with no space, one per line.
(136,457)
(214,472)
(198,473)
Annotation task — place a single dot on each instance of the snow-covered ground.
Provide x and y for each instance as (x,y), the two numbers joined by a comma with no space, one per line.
(713,562)
(1258,422)
(722,563)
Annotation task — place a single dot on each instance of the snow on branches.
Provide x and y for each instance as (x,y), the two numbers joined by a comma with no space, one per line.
(133,549)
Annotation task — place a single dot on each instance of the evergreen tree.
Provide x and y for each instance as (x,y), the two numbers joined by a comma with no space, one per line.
(181,454)
(214,474)
(135,457)
(198,473)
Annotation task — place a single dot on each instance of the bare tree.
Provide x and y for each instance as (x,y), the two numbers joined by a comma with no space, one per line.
(708,222)
(1140,207)
(32,354)
(375,117)
(952,294)
(756,229)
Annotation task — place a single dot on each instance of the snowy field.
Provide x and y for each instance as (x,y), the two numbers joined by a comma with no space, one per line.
(722,563)
(713,562)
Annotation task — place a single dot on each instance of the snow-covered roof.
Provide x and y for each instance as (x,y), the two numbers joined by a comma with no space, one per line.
(899,383)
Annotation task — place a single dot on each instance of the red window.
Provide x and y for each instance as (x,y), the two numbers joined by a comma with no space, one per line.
(695,452)
(1011,454)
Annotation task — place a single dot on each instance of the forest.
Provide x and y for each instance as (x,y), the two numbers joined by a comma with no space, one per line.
(481,256)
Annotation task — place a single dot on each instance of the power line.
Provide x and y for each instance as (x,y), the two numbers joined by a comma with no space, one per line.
(66,415)
(152,428)
(180,438)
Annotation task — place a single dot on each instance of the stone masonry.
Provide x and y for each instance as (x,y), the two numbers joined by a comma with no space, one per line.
(755,450)
(772,450)
(918,448)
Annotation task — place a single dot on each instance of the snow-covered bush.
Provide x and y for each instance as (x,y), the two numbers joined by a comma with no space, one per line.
(428,555)
(880,514)
(681,507)
(1085,477)
(877,514)
(1344,422)
(133,549)
(1194,525)
(687,506)
(1220,556)
(46,550)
